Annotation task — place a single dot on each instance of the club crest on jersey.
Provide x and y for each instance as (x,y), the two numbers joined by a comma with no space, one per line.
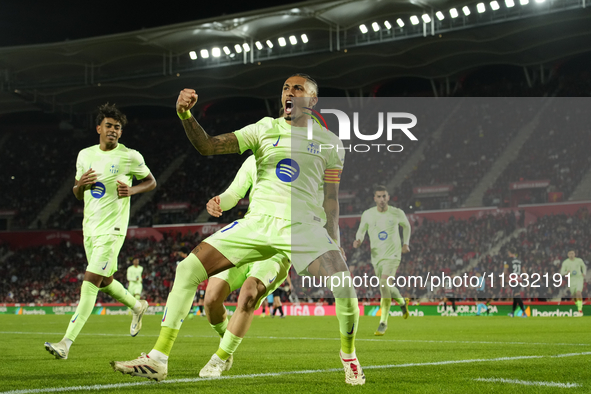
(98,190)
(114,169)
(287,170)
(314,148)
(383,235)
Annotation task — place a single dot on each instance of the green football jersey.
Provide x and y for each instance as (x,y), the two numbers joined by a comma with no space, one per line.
(291,170)
(245,179)
(384,235)
(104,212)
(134,274)
(576,267)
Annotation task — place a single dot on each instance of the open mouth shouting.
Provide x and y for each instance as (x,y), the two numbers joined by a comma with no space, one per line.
(288,106)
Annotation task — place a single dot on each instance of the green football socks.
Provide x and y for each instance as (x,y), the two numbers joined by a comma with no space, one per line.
(88,294)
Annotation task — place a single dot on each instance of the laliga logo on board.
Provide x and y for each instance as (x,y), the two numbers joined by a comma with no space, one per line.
(345,129)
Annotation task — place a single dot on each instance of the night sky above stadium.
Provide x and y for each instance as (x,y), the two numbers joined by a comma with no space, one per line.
(32,22)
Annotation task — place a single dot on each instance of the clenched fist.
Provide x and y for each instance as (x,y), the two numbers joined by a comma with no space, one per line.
(187,99)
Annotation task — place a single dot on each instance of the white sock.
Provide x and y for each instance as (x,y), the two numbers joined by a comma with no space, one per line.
(136,308)
(158,356)
(68,343)
(347,356)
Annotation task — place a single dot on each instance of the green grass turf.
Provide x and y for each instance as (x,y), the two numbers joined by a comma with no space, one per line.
(272,346)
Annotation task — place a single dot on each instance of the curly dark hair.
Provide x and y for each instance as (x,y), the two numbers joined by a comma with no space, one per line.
(110,111)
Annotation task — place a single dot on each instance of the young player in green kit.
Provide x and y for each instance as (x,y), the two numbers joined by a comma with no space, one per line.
(577,269)
(104,174)
(381,222)
(283,219)
(134,277)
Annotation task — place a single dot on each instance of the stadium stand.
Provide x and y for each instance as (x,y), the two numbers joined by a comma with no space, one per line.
(46,274)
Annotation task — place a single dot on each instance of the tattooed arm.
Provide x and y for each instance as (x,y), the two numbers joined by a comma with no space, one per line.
(203,142)
(206,144)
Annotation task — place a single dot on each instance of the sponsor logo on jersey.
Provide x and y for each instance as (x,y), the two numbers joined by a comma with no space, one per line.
(383,235)
(272,279)
(574,272)
(277,143)
(105,266)
(287,170)
(98,190)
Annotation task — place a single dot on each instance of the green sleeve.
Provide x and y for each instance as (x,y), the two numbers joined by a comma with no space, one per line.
(406,229)
(362,228)
(243,181)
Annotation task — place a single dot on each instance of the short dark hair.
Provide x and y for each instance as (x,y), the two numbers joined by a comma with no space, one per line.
(309,79)
(110,111)
(184,249)
(379,188)
(512,250)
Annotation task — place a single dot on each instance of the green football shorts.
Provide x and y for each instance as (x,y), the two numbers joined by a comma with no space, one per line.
(102,252)
(259,237)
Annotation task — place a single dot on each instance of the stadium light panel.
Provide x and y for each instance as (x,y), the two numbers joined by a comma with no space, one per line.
(440,15)
(375,26)
(414,20)
(193,55)
(466,10)
(246,47)
(509,3)
(426,18)
(524,2)
(363,28)
(238,48)
(282,42)
(259,45)
(480,7)
(388,25)
(453,13)
(400,22)
(293,40)
(494,5)
(304,38)
(226,50)
(269,44)
(204,53)
(216,52)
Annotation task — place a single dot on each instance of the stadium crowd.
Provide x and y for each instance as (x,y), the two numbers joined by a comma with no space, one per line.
(558,153)
(52,274)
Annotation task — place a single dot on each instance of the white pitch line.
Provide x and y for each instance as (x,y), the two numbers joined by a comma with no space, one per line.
(317,339)
(529,383)
(273,374)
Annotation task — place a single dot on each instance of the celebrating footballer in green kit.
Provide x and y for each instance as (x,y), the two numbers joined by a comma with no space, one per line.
(287,171)
(577,269)
(381,222)
(104,174)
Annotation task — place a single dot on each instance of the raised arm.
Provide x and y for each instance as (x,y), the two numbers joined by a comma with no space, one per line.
(203,142)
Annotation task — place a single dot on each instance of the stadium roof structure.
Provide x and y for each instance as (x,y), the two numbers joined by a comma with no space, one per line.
(351,45)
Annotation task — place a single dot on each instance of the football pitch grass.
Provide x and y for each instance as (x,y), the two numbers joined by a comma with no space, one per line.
(300,354)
